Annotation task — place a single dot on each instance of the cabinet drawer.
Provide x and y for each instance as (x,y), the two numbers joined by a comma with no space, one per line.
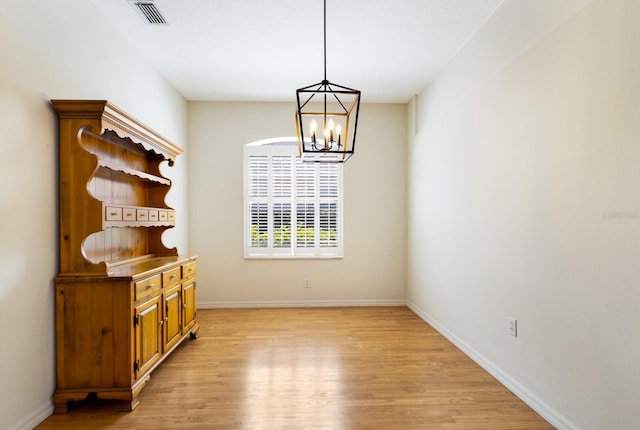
(148,288)
(170,278)
(142,214)
(162,215)
(128,214)
(171,215)
(153,215)
(113,213)
(188,270)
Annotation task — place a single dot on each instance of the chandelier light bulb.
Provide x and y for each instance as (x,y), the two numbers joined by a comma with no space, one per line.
(313,126)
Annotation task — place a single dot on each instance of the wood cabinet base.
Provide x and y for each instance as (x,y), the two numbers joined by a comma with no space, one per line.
(128,396)
(113,330)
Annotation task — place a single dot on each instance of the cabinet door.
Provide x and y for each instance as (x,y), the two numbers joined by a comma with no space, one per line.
(172,317)
(188,305)
(147,320)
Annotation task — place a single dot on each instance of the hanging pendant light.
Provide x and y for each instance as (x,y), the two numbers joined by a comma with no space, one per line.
(326,118)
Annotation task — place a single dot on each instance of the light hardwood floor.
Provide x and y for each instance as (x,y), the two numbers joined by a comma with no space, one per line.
(377,368)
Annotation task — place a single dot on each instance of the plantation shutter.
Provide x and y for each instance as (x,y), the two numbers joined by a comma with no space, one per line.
(281,189)
(292,209)
(328,200)
(258,181)
(305,205)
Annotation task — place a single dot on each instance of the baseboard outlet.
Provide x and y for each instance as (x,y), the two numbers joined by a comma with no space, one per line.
(534,402)
(35,418)
(300,304)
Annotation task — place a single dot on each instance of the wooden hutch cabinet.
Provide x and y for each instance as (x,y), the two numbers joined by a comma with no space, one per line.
(124,301)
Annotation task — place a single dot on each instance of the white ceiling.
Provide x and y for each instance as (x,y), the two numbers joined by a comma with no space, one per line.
(263,50)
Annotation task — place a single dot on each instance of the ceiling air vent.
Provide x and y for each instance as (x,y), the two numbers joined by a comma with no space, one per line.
(149,12)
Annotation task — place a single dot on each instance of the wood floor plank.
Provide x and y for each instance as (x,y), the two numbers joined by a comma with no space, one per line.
(313,368)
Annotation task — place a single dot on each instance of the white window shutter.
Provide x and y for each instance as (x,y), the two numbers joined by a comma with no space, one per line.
(258,175)
(292,209)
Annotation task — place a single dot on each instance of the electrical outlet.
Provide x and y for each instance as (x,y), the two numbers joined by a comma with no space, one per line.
(513,327)
(307,283)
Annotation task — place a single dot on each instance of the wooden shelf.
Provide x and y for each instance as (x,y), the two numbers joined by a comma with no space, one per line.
(117,168)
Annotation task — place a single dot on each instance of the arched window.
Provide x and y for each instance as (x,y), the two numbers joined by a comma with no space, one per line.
(292,209)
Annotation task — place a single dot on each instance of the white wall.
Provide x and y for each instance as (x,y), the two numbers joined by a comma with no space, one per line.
(524,202)
(373,269)
(61,49)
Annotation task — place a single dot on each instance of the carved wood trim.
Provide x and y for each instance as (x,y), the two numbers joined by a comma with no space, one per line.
(118,121)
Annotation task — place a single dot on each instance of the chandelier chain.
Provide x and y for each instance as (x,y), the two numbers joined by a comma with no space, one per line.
(325,40)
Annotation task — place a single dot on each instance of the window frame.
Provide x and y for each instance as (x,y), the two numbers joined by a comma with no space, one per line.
(287,148)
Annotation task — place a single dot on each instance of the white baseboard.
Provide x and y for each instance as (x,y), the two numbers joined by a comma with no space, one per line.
(35,418)
(299,304)
(534,402)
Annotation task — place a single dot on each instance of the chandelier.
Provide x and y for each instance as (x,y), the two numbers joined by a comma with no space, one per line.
(334,108)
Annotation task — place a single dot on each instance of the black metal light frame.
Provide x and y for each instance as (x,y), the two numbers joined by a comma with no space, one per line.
(327,103)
